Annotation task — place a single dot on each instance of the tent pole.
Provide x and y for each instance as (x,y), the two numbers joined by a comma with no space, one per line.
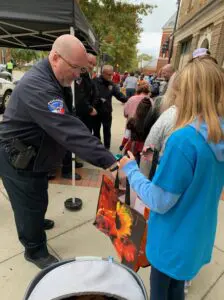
(74,203)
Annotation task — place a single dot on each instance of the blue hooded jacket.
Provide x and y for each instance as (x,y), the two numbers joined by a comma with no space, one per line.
(183,197)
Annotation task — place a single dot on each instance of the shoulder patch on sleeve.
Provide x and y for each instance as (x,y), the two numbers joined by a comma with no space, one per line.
(56,106)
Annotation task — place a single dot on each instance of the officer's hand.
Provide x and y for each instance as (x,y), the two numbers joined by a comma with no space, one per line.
(93,112)
(126,159)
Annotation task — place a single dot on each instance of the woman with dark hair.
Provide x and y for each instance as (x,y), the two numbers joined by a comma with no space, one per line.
(135,133)
(131,107)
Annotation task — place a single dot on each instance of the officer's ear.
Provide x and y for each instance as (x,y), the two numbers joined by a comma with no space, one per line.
(54,58)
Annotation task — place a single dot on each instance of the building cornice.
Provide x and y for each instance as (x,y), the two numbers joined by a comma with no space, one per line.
(213,12)
(207,8)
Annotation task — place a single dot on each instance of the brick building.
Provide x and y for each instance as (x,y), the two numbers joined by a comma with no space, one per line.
(165,42)
(200,24)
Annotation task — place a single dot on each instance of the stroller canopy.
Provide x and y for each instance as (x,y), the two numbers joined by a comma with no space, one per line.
(86,276)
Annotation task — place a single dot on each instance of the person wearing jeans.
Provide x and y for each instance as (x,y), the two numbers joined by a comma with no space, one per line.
(131,83)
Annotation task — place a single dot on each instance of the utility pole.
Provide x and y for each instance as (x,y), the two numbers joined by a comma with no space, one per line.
(174,30)
(3,56)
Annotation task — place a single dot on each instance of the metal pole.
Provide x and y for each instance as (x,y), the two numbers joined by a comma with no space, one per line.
(73,204)
(174,30)
(3,56)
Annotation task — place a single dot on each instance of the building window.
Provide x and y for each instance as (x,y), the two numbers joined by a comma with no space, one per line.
(205,44)
(185,53)
(186,46)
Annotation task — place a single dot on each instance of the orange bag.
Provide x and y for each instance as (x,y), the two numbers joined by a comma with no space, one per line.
(125,226)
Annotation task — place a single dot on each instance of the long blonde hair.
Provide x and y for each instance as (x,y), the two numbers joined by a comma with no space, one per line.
(199,94)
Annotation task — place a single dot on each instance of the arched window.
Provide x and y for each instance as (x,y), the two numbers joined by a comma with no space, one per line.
(205,44)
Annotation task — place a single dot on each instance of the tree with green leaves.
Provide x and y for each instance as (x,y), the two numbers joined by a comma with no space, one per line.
(143,58)
(118,28)
(21,56)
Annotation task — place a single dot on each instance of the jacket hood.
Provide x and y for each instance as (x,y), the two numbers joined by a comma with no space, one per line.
(217,149)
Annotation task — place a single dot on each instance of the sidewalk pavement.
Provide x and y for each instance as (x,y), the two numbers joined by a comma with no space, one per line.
(74,235)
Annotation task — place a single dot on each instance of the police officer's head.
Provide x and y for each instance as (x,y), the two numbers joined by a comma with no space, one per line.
(107,72)
(91,61)
(68,58)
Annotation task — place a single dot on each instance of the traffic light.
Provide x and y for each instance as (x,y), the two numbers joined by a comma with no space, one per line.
(106,58)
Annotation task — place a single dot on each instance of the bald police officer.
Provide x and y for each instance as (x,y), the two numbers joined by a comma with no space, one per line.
(36,131)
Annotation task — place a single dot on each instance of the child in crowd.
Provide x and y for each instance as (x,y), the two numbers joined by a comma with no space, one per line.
(185,191)
(142,80)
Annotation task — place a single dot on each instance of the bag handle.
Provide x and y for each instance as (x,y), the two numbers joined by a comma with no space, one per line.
(116,183)
(155,160)
(151,174)
(127,191)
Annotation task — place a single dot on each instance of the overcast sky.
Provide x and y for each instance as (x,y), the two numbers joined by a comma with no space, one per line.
(152,25)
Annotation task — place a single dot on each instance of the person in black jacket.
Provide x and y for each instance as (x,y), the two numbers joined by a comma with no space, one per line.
(106,89)
(36,131)
(85,95)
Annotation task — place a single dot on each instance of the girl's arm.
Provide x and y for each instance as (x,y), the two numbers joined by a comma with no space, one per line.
(172,178)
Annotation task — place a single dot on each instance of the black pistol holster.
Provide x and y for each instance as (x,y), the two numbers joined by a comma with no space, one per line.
(21,155)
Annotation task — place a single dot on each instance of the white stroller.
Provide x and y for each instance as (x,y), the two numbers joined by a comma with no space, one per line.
(92,277)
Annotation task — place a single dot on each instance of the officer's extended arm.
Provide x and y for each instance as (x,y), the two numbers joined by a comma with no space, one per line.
(118,95)
(68,131)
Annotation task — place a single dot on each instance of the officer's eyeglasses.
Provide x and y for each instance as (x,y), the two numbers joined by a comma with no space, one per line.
(74,67)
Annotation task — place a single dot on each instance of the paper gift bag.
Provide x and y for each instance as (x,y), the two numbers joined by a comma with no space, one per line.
(120,222)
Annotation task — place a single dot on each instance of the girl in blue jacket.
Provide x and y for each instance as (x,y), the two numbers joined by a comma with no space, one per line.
(185,191)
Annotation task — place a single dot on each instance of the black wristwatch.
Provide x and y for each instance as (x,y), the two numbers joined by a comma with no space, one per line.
(114,168)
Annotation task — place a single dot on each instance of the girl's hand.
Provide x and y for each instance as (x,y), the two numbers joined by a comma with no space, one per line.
(126,159)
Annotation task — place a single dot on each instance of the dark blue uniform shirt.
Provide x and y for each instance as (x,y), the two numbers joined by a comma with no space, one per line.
(37,115)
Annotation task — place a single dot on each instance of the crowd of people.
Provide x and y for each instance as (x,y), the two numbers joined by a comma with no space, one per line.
(180,114)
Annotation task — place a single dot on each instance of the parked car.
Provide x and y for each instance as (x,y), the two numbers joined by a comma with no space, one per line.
(6,88)
(6,75)
(2,67)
